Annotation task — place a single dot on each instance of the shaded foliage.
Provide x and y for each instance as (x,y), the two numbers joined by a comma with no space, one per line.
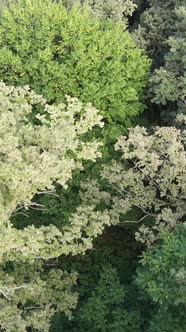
(116,10)
(162,278)
(168,83)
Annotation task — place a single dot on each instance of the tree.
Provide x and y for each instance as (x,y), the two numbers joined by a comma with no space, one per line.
(116,10)
(161,277)
(105,310)
(157,24)
(58,51)
(32,293)
(41,145)
(114,257)
(168,83)
(161,33)
(147,187)
(150,179)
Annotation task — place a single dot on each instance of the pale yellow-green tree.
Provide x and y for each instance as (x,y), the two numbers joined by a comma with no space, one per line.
(40,146)
(149,181)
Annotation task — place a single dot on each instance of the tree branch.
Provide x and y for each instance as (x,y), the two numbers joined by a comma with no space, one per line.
(6,292)
(133,221)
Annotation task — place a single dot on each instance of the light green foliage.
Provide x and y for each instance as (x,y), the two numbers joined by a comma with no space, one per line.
(151,178)
(40,146)
(34,156)
(4,2)
(116,10)
(37,151)
(169,82)
(31,294)
(60,52)
(162,277)
(105,309)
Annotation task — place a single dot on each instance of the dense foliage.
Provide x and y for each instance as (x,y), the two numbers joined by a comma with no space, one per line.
(105,309)
(151,177)
(116,10)
(36,154)
(161,31)
(162,278)
(156,24)
(169,82)
(92,191)
(60,52)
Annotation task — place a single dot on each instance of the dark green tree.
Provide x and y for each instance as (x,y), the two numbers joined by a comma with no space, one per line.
(156,24)
(168,83)
(116,10)
(105,309)
(162,278)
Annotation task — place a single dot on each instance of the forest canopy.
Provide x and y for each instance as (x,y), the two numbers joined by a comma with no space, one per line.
(92,165)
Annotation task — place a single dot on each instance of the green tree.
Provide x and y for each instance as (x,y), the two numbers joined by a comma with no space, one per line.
(110,264)
(162,279)
(58,51)
(105,309)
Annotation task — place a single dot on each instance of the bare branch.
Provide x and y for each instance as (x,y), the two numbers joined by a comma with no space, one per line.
(24,214)
(121,191)
(148,177)
(133,221)
(49,193)
(145,211)
(5,295)
(6,292)
(41,257)
(138,206)
(32,308)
